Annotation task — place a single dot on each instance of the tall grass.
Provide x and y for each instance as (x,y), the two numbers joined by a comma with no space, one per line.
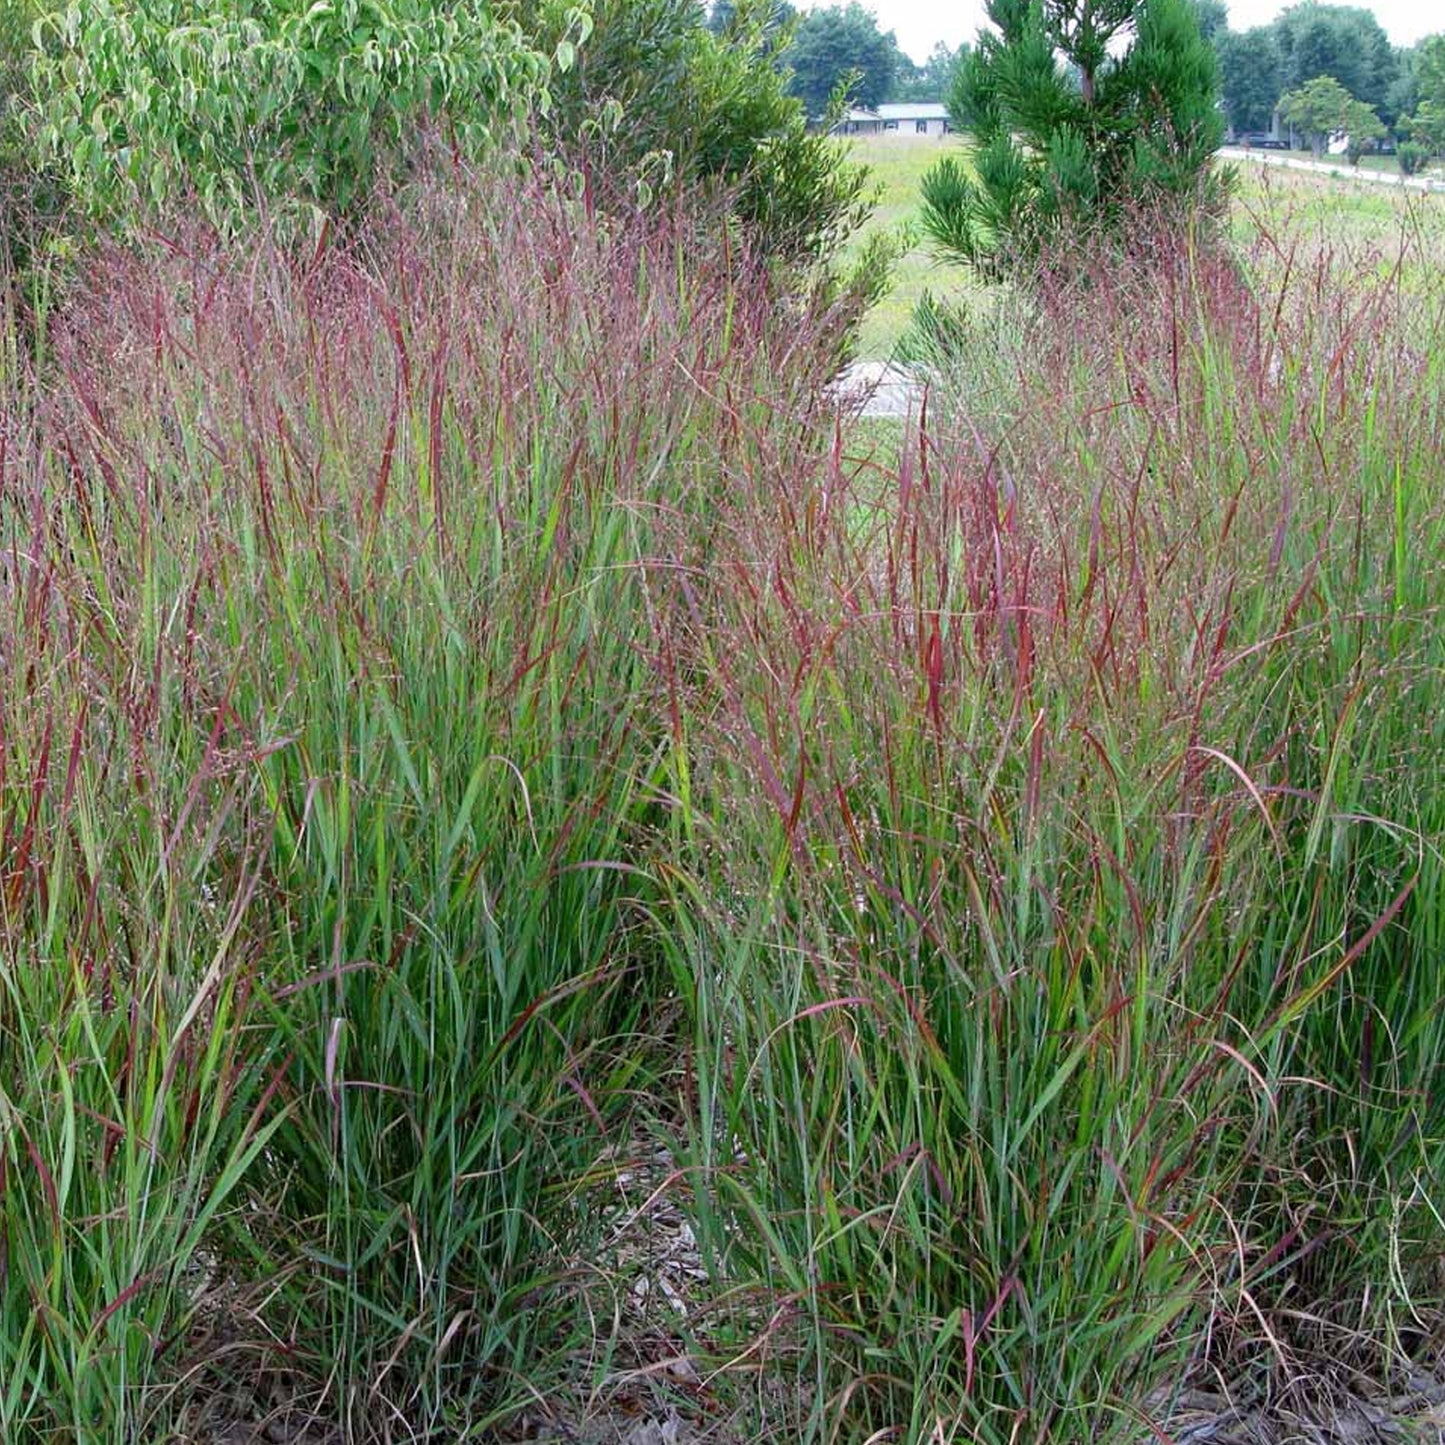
(1070,1025)
(331,750)
(469,709)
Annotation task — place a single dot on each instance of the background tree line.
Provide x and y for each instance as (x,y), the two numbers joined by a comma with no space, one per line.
(823,47)
(1379,88)
(1377,85)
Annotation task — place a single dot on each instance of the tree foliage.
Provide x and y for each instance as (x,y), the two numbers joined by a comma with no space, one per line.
(1345,42)
(1429,69)
(1318,108)
(1413,157)
(779,16)
(933,80)
(276,102)
(1082,115)
(1364,130)
(831,45)
(32,192)
(1323,107)
(1426,127)
(1249,73)
(1213,16)
(658,94)
(15,21)
(1426,124)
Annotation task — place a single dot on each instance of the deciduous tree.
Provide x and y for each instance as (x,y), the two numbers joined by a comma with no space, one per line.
(1363,128)
(933,80)
(658,96)
(724,14)
(1345,42)
(1213,18)
(1250,76)
(833,44)
(1318,109)
(285,103)
(1426,124)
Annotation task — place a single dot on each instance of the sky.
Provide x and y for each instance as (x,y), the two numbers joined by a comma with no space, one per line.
(920,24)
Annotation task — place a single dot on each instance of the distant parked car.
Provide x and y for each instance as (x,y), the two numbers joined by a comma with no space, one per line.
(1263,142)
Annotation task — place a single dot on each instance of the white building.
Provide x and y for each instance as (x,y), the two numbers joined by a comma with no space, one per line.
(901,119)
(928,118)
(858,121)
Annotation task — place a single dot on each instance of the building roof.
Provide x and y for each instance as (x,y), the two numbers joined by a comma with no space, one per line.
(914,110)
(857,113)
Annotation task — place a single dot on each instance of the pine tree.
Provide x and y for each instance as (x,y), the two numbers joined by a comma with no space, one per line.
(1084,112)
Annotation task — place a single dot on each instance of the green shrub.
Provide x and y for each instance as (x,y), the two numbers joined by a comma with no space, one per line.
(271,104)
(657,96)
(31,196)
(1413,157)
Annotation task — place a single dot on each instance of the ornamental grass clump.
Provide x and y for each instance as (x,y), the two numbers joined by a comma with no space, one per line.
(1064,938)
(482,739)
(332,746)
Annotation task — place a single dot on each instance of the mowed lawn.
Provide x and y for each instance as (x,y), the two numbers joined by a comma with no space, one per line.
(897,169)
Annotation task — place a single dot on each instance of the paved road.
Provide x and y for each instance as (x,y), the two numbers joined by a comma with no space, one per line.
(1340,168)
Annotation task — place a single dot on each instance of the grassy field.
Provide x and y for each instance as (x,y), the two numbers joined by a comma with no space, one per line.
(897,168)
(1332,211)
(547,883)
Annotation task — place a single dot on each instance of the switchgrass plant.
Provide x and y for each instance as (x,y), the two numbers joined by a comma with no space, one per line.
(473,715)
(1064,930)
(128,1100)
(331,757)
